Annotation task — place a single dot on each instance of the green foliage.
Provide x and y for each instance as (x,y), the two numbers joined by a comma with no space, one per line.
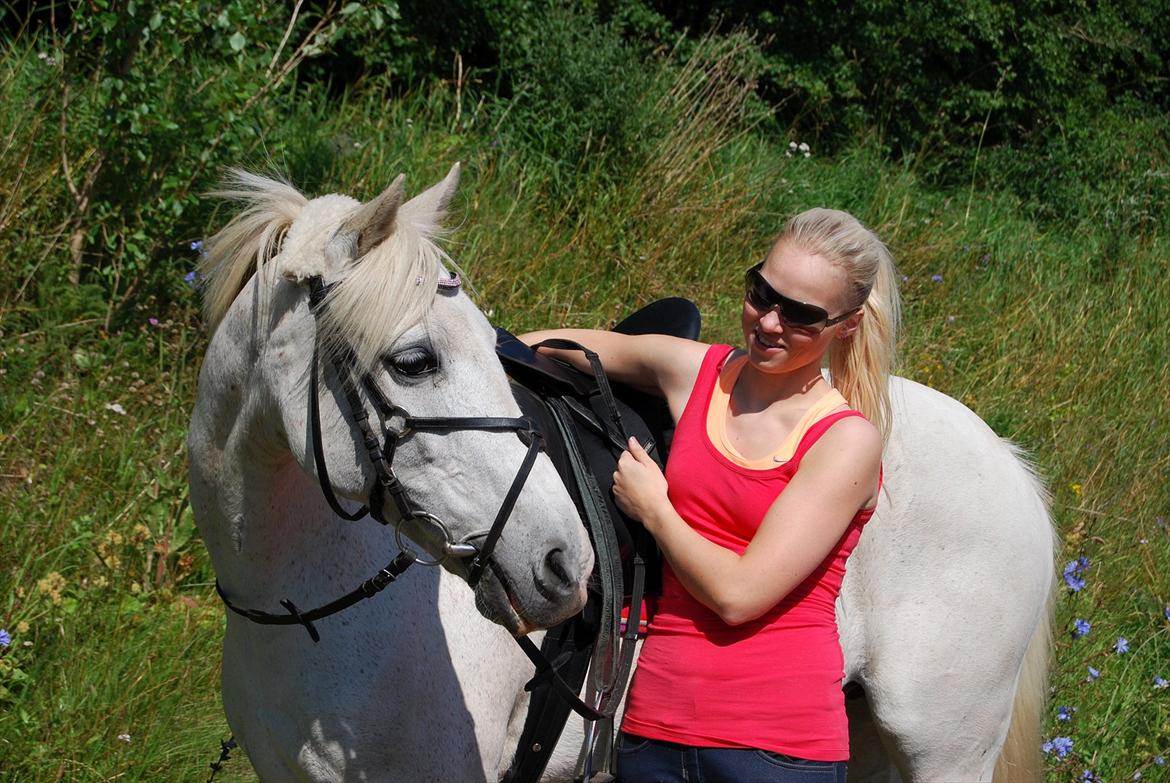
(575,89)
(608,162)
(141,106)
(930,74)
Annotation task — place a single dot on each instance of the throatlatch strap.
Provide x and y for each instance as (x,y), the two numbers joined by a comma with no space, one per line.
(319,448)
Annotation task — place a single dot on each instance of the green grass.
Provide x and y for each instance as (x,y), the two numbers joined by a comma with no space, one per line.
(1050,330)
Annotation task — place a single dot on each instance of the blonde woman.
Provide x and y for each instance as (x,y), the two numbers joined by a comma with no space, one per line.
(772,475)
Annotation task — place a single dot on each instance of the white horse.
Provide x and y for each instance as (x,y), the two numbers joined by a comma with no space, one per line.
(414,684)
(944,614)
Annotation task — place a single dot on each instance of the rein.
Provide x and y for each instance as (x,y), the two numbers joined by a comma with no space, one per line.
(397,424)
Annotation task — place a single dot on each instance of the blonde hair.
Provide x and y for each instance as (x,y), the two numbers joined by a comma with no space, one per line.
(374,300)
(860,365)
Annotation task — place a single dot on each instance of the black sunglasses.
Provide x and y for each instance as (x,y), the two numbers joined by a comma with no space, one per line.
(800,315)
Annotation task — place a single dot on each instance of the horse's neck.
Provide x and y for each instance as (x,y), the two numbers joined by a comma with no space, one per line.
(262,516)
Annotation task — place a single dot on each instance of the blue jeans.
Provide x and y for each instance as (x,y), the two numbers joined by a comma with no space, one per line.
(641,760)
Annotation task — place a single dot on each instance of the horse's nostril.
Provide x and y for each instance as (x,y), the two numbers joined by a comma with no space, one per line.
(554,565)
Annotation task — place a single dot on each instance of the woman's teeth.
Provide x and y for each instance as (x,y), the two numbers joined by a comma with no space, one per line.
(764,343)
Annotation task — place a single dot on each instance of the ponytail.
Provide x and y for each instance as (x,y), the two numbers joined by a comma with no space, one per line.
(860,364)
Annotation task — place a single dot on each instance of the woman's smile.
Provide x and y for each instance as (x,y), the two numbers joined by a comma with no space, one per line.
(766,343)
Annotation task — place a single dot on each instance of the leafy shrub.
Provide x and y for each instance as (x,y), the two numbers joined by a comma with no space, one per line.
(134,109)
(930,74)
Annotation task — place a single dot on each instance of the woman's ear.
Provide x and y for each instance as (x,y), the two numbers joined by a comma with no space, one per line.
(850,325)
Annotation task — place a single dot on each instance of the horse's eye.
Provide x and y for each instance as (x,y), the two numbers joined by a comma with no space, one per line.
(414,361)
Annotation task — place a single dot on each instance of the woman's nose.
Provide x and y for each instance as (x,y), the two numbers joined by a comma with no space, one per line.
(771,320)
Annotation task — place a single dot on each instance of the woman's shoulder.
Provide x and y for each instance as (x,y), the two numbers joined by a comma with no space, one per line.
(846,441)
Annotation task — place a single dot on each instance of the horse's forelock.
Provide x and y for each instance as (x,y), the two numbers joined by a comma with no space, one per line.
(374,299)
(382,294)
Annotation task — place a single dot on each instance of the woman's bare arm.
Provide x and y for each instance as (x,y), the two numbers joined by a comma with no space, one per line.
(654,363)
(837,477)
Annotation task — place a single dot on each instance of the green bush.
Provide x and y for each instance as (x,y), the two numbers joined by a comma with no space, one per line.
(931,74)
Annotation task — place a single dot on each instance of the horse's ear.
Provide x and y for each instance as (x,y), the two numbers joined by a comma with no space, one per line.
(431,205)
(375,220)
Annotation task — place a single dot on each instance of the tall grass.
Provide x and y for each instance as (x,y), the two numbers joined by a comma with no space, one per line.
(113,668)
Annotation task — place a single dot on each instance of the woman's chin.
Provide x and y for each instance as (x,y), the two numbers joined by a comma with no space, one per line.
(763,353)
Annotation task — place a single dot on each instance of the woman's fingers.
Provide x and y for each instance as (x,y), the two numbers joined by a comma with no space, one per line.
(639,453)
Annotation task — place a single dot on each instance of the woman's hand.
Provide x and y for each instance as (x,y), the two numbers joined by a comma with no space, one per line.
(639,486)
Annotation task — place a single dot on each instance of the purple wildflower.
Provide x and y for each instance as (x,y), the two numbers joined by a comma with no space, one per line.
(1093,674)
(152,321)
(1074,573)
(1160,682)
(1061,746)
(1065,713)
(1160,760)
(1088,775)
(1080,628)
(197,245)
(5,638)
(936,278)
(1122,645)
(1166,612)
(189,278)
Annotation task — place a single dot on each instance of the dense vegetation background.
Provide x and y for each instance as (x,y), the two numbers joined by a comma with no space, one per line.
(1016,156)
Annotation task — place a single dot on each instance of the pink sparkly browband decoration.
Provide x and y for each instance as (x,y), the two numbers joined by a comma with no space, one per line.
(451,282)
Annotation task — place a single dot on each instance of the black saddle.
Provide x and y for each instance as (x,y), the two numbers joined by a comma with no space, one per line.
(586,420)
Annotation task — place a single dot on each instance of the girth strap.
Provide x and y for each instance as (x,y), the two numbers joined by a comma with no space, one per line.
(611,406)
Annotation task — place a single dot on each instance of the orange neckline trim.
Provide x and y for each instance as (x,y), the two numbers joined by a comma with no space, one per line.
(717,420)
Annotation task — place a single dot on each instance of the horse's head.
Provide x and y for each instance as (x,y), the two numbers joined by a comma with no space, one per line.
(364,288)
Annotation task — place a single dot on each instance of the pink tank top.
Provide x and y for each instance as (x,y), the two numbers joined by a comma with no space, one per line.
(773,683)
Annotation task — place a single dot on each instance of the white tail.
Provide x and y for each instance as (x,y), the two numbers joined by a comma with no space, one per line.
(1020,760)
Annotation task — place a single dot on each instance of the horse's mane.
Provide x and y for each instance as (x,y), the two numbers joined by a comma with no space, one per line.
(245,245)
(371,302)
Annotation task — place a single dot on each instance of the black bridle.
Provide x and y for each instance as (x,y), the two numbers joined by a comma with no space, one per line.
(397,424)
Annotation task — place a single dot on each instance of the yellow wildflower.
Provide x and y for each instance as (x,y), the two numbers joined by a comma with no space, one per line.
(1077,489)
